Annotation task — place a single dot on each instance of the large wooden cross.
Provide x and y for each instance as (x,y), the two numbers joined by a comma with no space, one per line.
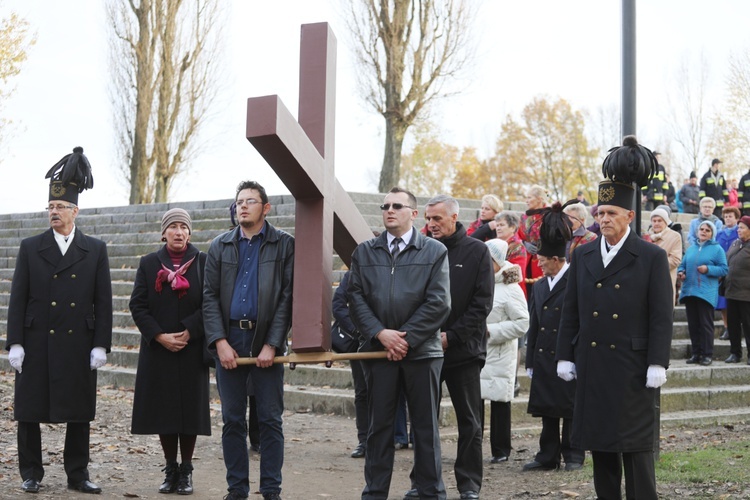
(301,153)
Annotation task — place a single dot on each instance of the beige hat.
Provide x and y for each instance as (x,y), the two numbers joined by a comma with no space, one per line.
(176,215)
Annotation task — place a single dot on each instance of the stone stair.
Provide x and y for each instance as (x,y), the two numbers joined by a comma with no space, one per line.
(718,393)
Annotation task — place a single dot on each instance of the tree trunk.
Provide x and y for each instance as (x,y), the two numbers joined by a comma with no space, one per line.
(390,173)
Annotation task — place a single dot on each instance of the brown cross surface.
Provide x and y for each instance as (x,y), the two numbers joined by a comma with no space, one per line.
(301,153)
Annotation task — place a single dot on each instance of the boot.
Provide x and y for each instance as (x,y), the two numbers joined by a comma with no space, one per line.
(172,474)
(185,482)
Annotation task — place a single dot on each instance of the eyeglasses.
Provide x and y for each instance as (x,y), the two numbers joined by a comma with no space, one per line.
(249,202)
(60,207)
(396,206)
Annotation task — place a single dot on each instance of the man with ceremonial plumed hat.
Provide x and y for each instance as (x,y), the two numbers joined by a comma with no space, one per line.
(59,329)
(615,334)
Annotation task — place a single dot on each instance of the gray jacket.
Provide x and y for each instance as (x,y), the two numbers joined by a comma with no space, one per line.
(275,271)
(411,295)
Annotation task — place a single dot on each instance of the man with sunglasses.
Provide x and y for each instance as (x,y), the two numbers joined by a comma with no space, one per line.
(399,295)
(59,329)
(247,311)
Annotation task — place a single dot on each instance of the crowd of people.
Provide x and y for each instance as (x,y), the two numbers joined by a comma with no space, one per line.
(449,306)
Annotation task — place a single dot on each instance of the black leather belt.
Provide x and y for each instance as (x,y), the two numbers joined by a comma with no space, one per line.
(243,324)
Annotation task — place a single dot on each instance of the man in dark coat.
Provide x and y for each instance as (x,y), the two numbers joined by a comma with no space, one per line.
(550,397)
(464,336)
(615,337)
(714,186)
(59,329)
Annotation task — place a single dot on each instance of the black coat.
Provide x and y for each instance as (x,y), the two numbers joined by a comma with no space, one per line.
(616,322)
(472,287)
(60,308)
(550,396)
(171,388)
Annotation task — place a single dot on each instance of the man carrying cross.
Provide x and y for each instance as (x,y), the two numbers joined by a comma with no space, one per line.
(399,296)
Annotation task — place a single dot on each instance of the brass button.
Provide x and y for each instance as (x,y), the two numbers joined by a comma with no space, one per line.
(612,347)
(541,350)
(51,332)
(70,332)
(596,314)
(615,316)
(598,285)
(552,352)
(54,276)
(73,276)
(593,344)
(54,303)
(617,287)
(545,308)
(557,308)
(72,304)
(554,330)
(541,329)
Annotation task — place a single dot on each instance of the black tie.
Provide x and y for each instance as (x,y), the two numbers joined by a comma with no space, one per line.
(395,247)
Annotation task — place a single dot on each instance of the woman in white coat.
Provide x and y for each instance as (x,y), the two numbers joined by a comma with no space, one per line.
(508,321)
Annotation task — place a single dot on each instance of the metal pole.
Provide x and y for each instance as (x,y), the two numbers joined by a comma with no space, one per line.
(628,111)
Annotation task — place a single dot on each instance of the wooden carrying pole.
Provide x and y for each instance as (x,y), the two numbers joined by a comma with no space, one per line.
(326,357)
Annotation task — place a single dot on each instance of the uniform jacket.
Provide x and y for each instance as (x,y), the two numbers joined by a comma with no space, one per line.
(715,187)
(171,388)
(472,284)
(60,308)
(507,322)
(550,396)
(616,322)
(743,193)
(703,286)
(275,271)
(657,187)
(737,281)
(410,293)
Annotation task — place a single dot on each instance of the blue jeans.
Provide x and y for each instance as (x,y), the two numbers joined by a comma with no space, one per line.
(268,386)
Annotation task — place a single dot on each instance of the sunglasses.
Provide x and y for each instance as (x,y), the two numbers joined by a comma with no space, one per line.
(396,206)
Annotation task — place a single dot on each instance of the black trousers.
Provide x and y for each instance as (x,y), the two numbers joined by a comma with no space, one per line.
(465,390)
(360,399)
(738,320)
(421,382)
(499,428)
(640,477)
(700,316)
(75,455)
(553,443)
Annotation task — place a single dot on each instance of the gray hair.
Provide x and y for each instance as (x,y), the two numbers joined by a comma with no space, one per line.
(709,200)
(510,219)
(578,210)
(450,203)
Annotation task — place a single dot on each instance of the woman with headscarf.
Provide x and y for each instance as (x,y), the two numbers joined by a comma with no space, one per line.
(737,292)
(704,263)
(171,386)
(506,224)
(484,227)
(508,320)
(661,235)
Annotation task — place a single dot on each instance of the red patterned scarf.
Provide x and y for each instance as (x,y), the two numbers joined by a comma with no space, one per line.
(176,278)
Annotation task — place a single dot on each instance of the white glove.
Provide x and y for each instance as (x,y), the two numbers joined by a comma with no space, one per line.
(98,357)
(530,372)
(656,376)
(16,357)
(566,370)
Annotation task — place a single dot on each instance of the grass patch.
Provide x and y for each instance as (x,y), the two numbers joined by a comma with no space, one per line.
(709,463)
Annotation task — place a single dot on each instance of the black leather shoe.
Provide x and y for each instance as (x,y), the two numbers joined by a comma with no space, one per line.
(469,495)
(30,486)
(724,335)
(271,496)
(573,466)
(705,361)
(84,486)
(693,359)
(171,476)
(411,494)
(497,460)
(235,495)
(733,358)
(185,480)
(534,465)
(359,451)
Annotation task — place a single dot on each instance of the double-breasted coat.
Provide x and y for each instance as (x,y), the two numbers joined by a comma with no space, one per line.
(550,396)
(60,308)
(616,321)
(171,388)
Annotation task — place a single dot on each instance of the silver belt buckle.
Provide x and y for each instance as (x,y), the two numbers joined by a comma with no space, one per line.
(246,324)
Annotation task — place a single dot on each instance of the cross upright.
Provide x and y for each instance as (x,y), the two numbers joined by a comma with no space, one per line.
(302,155)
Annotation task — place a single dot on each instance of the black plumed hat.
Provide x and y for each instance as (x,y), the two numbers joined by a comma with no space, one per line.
(617,194)
(630,163)
(70,176)
(555,230)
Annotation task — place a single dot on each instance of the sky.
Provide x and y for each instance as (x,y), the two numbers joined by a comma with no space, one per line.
(525,49)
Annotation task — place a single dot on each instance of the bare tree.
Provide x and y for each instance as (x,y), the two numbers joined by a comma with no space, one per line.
(165,75)
(407,50)
(686,119)
(15,41)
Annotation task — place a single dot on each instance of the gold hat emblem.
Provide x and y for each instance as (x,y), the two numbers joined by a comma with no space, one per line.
(606,193)
(57,189)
